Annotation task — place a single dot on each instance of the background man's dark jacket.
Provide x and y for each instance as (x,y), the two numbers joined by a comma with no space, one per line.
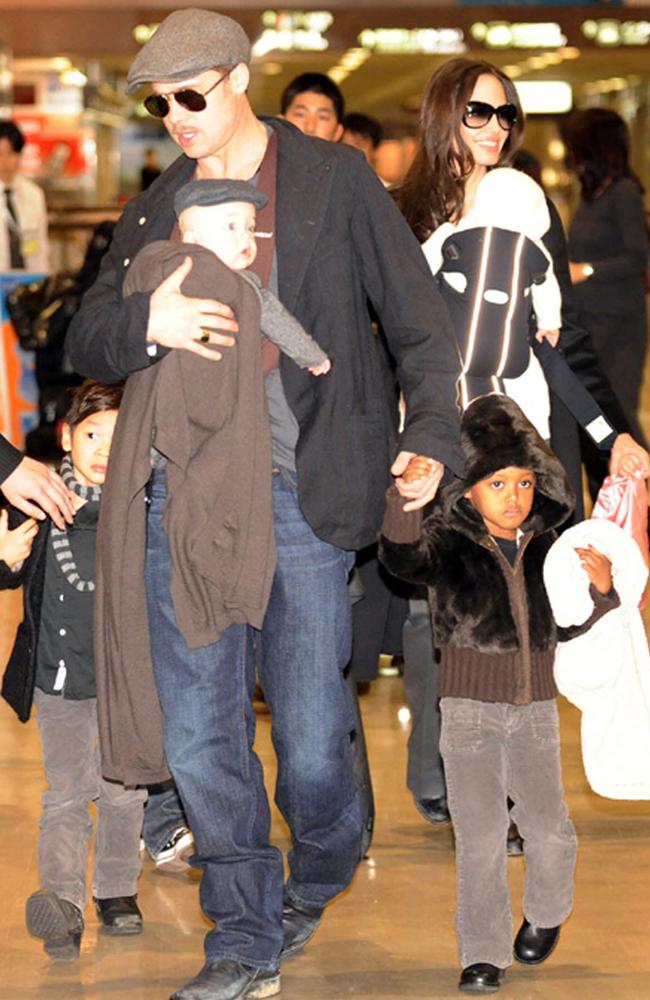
(340,241)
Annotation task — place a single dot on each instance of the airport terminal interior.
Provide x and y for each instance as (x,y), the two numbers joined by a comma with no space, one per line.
(391,935)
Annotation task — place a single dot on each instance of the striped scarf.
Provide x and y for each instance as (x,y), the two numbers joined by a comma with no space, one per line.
(59,537)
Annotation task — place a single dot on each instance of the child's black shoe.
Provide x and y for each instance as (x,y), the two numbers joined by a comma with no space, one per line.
(533,944)
(58,922)
(480,978)
(119,915)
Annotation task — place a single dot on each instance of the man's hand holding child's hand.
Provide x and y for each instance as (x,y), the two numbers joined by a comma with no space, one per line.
(417,478)
(597,567)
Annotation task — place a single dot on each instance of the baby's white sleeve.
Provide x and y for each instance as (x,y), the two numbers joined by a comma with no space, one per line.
(547,301)
(432,247)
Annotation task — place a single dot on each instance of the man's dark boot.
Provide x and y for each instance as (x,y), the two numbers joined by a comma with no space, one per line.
(228,980)
(298,927)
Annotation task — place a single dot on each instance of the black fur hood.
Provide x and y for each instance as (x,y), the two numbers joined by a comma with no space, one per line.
(494,435)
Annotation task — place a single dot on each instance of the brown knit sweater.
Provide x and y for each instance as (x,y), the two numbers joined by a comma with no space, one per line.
(210,421)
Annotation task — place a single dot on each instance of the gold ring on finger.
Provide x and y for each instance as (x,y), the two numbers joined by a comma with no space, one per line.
(205,336)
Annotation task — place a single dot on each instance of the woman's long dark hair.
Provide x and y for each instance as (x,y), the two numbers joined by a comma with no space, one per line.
(433,190)
(598,149)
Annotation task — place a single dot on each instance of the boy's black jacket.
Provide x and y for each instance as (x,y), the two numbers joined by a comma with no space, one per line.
(20,675)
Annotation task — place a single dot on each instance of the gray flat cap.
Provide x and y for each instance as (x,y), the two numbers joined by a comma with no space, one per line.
(217,192)
(188,42)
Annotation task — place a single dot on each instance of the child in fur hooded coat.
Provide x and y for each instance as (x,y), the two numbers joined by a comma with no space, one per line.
(481,552)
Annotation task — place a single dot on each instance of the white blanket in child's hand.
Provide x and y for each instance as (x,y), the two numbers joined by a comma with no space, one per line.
(606,671)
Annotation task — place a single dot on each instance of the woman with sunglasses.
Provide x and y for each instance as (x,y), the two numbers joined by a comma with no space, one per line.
(471,122)
(484,242)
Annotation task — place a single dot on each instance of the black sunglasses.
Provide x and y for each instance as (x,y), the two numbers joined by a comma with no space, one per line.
(192,100)
(478,113)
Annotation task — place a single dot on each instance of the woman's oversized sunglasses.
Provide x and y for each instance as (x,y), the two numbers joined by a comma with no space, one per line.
(478,113)
(192,100)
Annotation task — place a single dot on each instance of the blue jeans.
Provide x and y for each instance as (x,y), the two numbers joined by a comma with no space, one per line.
(163,816)
(210,727)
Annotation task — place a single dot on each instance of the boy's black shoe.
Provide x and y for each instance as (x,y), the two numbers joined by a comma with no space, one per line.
(534,944)
(298,927)
(58,922)
(119,915)
(480,978)
(229,980)
(433,810)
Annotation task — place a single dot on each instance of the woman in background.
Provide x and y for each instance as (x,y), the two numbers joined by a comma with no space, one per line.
(608,246)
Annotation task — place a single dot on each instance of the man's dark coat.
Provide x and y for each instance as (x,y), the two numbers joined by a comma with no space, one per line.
(340,242)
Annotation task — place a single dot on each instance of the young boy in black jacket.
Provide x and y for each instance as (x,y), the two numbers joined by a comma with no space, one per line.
(51,665)
(480,553)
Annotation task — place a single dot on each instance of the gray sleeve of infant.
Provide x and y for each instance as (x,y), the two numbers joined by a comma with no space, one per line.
(284,330)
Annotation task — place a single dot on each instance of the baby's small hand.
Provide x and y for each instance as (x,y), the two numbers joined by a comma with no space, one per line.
(16,545)
(322,368)
(419,467)
(597,567)
(551,335)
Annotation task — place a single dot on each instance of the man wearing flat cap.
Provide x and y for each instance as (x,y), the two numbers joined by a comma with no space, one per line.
(330,241)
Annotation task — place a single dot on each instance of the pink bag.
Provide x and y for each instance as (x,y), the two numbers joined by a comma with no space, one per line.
(624,500)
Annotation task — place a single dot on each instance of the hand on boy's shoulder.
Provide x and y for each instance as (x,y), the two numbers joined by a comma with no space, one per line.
(597,567)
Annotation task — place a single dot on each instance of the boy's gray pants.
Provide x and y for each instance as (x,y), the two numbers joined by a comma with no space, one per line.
(69,738)
(492,750)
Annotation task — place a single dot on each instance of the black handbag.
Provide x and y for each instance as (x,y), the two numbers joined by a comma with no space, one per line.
(41,310)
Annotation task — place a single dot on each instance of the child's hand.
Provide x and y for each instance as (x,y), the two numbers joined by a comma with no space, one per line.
(419,467)
(322,368)
(551,335)
(628,458)
(16,545)
(597,567)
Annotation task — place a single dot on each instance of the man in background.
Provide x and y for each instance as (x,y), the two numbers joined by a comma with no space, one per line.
(23,212)
(364,133)
(314,104)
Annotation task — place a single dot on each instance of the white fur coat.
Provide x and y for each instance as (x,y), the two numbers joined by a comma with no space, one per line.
(606,671)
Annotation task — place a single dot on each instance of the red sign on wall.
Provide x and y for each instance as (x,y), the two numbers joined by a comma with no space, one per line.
(53,148)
